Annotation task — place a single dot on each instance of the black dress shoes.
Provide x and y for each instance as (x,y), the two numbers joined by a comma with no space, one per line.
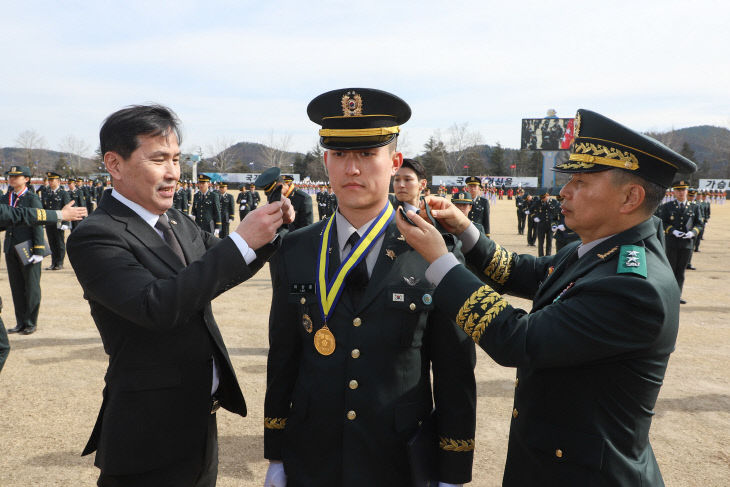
(691,267)
(17,329)
(28,330)
(682,301)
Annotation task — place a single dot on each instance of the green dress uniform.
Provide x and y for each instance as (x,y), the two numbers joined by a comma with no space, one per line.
(227,212)
(207,210)
(682,217)
(705,212)
(332,204)
(322,203)
(521,205)
(79,197)
(302,204)
(345,419)
(55,200)
(546,214)
(25,280)
(563,236)
(243,201)
(532,207)
(590,356)
(180,200)
(480,212)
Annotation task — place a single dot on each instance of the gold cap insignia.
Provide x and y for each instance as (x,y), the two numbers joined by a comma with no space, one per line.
(576,127)
(351,104)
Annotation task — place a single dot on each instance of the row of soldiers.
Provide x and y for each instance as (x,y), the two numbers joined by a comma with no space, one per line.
(326,201)
(544,221)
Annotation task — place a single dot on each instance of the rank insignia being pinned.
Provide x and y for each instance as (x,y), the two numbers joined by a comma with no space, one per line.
(427,299)
(390,254)
(632,260)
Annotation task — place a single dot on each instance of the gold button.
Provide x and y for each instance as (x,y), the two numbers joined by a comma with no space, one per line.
(353,384)
(559,453)
(351,415)
(357,322)
(412,306)
(303,300)
(514,413)
(517,381)
(355,353)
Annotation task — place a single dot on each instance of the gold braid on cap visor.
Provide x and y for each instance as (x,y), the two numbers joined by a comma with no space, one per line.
(586,155)
(371,132)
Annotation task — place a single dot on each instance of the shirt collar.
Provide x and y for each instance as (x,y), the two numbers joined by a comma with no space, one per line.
(345,229)
(583,249)
(143,213)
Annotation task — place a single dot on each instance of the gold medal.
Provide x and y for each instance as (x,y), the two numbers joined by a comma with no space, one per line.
(324,341)
(307,323)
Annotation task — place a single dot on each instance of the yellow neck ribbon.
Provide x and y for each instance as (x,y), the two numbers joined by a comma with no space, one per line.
(329,293)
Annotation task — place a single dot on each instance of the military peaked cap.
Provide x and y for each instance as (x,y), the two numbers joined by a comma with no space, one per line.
(358,118)
(203,178)
(18,171)
(53,175)
(267,180)
(600,144)
(473,180)
(462,198)
(681,184)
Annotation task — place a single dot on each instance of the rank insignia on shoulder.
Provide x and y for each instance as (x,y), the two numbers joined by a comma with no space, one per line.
(632,260)
(302,288)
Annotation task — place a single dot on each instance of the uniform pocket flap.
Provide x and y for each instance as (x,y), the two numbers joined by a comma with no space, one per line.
(564,445)
(149,379)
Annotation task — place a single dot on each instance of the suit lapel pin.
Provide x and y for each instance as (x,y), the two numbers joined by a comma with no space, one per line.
(390,254)
(173,222)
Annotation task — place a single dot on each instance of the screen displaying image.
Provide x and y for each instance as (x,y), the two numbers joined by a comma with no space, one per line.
(547,133)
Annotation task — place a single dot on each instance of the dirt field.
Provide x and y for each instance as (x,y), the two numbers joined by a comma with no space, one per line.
(50,388)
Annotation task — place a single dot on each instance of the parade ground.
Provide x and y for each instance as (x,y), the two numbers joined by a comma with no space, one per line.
(51,386)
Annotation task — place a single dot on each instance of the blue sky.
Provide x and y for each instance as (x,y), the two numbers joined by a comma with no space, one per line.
(245,71)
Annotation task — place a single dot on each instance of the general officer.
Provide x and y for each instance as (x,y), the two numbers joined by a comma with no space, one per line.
(682,221)
(24,275)
(480,207)
(349,377)
(520,204)
(207,206)
(227,210)
(592,353)
(56,198)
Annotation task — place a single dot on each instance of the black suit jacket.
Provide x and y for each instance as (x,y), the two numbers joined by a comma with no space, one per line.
(155,320)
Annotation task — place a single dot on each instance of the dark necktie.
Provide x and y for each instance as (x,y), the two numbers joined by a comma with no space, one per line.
(357,279)
(163,225)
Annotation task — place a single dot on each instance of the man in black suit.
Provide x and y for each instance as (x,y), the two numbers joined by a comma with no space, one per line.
(149,274)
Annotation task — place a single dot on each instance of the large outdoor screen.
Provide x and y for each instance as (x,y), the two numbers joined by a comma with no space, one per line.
(547,133)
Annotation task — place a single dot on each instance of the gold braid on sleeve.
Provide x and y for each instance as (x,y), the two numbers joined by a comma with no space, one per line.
(479,310)
(274,423)
(500,266)
(449,444)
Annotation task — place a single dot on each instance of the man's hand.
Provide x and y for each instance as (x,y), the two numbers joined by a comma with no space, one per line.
(447,214)
(259,227)
(70,214)
(217,232)
(678,234)
(423,237)
(287,210)
(275,476)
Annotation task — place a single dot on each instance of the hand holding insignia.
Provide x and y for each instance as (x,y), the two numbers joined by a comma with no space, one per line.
(259,227)
(423,237)
(447,214)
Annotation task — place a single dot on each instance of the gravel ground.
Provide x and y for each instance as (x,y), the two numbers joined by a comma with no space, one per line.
(51,384)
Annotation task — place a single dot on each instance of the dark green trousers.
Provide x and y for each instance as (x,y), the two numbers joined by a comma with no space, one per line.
(25,285)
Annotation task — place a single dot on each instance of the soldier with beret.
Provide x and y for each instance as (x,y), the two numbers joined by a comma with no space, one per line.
(480,206)
(56,198)
(682,222)
(227,209)
(592,354)
(207,206)
(353,335)
(24,275)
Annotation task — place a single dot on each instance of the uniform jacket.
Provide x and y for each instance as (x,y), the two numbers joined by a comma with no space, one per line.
(386,344)
(227,209)
(155,321)
(520,204)
(243,200)
(55,200)
(302,204)
(480,212)
(675,218)
(78,196)
(207,210)
(180,200)
(15,234)
(590,356)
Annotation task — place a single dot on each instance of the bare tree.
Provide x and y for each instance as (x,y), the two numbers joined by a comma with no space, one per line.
(224,156)
(461,147)
(32,143)
(76,151)
(274,150)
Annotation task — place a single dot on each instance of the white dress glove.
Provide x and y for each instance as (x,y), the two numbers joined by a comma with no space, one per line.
(34,259)
(217,231)
(554,228)
(689,235)
(561,227)
(64,227)
(444,484)
(677,233)
(527,212)
(536,219)
(275,476)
